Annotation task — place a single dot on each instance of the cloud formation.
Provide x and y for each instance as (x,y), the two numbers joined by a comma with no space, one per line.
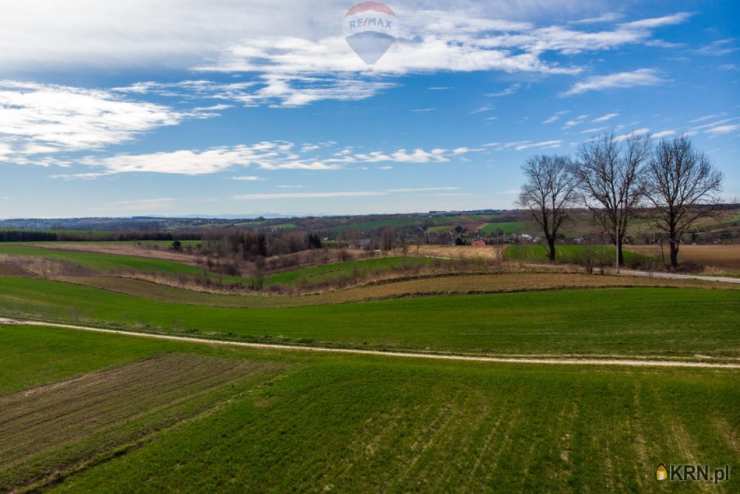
(43,119)
(637,78)
(266,155)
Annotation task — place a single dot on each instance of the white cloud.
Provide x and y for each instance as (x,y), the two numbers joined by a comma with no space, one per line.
(723,129)
(554,118)
(266,155)
(641,77)
(603,18)
(575,121)
(523,145)
(248,178)
(605,118)
(513,89)
(707,117)
(43,119)
(663,134)
(655,22)
(718,48)
(595,130)
(633,133)
(345,194)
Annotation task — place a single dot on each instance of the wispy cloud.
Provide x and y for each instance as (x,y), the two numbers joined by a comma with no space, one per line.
(266,155)
(605,118)
(513,89)
(44,119)
(637,78)
(248,178)
(718,48)
(655,22)
(554,118)
(633,133)
(603,18)
(663,134)
(580,119)
(267,196)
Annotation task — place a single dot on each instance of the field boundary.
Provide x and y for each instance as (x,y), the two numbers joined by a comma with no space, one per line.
(552,360)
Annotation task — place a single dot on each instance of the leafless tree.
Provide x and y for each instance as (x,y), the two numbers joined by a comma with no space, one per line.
(681,184)
(609,171)
(549,192)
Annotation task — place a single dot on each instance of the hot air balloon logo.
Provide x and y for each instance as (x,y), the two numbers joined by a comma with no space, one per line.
(661,473)
(370,30)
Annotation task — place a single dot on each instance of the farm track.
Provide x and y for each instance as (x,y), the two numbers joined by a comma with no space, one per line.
(581,360)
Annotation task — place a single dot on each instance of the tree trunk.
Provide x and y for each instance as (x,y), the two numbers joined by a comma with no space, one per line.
(621,253)
(674,254)
(551,249)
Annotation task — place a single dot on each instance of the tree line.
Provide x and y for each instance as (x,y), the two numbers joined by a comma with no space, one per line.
(614,178)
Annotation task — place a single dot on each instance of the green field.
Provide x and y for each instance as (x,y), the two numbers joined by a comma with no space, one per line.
(360,424)
(617,321)
(506,228)
(345,271)
(573,254)
(103,263)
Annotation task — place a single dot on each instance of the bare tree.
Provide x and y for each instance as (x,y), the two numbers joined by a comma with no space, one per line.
(609,173)
(548,193)
(681,184)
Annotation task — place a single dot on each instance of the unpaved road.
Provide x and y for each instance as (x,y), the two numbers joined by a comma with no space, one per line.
(551,360)
(675,276)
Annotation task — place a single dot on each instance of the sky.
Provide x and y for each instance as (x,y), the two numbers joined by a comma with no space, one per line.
(256,107)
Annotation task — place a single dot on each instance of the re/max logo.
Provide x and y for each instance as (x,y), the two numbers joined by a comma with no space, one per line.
(696,473)
(363,22)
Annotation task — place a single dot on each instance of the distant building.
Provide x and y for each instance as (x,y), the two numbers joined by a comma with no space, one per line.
(479,243)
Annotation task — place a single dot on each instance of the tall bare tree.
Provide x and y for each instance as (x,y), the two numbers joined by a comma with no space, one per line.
(609,171)
(549,192)
(681,183)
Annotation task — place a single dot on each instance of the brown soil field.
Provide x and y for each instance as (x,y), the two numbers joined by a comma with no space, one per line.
(457,252)
(53,429)
(717,256)
(119,248)
(458,284)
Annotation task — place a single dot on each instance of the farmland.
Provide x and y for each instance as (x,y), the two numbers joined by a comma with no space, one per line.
(660,321)
(85,412)
(305,422)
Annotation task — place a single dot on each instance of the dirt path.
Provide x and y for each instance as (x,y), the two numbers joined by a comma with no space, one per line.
(551,360)
(674,276)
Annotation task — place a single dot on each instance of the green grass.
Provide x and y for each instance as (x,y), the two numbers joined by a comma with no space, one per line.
(507,228)
(337,272)
(572,254)
(618,321)
(361,424)
(103,263)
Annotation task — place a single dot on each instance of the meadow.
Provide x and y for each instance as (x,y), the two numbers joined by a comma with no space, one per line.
(643,321)
(361,424)
(576,254)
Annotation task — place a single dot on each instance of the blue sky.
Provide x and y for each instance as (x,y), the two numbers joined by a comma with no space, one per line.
(223,107)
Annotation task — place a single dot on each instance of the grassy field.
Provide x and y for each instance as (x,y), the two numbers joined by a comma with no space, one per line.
(460,284)
(573,254)
(345,271)
(506,228)
(352,424)
(617,321)
(101,262)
